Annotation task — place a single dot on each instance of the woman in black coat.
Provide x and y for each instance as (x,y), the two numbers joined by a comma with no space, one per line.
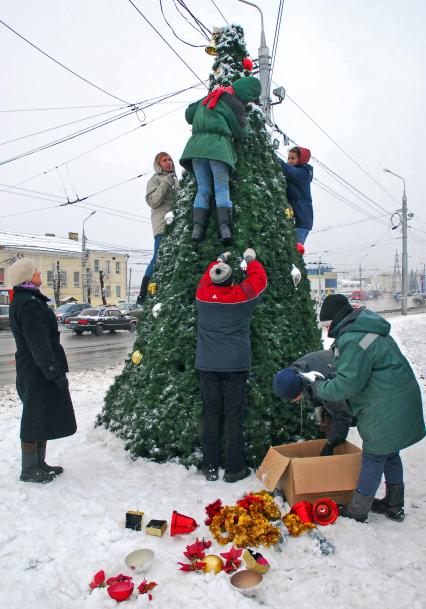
(41,367)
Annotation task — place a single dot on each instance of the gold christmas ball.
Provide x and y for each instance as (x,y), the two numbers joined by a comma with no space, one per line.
(213,563)
(152,288)
(137,357)
(289,213)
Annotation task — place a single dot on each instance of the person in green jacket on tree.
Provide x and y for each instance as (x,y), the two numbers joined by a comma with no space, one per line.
(217,121)
(382,392)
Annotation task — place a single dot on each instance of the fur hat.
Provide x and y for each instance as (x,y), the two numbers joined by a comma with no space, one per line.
(287,384)
(220,273)
(22,270)
(335,305)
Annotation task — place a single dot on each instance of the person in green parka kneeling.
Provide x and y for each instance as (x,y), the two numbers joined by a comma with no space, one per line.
(217,121)
(382,392)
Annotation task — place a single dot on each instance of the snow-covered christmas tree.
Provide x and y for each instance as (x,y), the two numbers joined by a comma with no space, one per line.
(156,405)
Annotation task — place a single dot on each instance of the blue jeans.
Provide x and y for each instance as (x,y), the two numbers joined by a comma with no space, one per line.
(150,268)
(208,171)
(301,234)
(372,469)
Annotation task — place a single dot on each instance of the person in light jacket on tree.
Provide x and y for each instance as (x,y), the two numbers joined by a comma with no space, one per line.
(217,121)
(223,358)
(290,384)
(383,394)
(299,174)
(41,367)
(160,192)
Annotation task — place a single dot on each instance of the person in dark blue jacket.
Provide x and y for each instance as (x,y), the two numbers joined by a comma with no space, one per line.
(299,176)
(223,359)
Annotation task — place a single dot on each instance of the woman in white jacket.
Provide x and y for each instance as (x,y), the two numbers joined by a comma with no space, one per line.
(159,196)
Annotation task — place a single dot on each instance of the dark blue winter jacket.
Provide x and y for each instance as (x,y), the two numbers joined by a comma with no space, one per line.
(299,178)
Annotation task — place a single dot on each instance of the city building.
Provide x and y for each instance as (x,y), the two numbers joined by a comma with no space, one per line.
(323,281)
(64,275)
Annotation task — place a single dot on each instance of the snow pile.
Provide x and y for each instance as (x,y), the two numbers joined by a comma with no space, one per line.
(54,538)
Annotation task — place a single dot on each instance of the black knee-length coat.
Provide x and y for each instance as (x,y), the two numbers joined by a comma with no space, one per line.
(48,411)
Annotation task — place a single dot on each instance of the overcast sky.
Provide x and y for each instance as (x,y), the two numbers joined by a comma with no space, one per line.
(355,67)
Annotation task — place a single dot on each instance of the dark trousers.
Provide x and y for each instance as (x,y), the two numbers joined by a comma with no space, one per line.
(372,469)
(223,395)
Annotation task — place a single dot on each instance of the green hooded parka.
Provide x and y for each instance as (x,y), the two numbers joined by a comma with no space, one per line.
(215,129)
(378,382)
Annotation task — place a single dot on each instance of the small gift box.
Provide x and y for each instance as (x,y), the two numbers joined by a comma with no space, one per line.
(156,527)
(134,520)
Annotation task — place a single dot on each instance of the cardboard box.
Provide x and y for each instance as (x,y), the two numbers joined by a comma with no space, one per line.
(302,475)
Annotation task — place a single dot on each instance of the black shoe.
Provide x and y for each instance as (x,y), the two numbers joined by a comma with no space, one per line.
(37,475)
(211,473)
(235,476)
(143,291)
(392,504)
(200,218)
(224,220)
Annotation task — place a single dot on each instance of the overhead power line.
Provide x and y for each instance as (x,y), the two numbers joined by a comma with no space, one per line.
(59,63)
(168,44)
(341,148)
(79,120)
(174,33)
(60,108)
(219,11)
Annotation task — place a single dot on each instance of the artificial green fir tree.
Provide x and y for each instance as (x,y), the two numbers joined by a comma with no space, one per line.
(156,406)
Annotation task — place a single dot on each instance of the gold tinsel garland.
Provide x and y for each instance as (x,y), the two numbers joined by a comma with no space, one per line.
(295,526)
(247,523)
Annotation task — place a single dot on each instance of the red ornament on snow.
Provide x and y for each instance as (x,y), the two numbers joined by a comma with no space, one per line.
(300,248)
(247,64)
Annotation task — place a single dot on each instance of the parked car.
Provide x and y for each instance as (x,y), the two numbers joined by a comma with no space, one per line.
(357,304)
(100,320)
(419,298)
(130,308)
(71,309)
(4,317)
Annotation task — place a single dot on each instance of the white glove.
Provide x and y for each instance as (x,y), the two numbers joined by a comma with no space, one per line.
(224,257)
(312,376)
(249,255)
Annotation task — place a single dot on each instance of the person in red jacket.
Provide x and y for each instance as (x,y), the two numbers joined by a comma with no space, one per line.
(223,358)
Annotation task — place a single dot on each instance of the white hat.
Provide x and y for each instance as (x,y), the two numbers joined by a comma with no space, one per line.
(22,270)
(220,272)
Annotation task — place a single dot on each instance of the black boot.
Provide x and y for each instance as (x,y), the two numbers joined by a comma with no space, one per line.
(392,504)
(31,472)
(236,476)
(143,291)
(211,473)
(358,507)
(41,453)
(200,217)
(224,220)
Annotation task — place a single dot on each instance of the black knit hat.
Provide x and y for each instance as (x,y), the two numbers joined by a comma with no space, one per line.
(335,304)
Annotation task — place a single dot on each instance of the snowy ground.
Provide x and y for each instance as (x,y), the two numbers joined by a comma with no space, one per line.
(54,538)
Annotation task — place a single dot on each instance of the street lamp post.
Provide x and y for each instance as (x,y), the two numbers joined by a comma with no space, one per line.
(404,245)
(83,258)
(263,65)
(360,273)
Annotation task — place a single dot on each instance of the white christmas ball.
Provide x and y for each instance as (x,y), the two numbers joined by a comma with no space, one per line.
(169,217)
(156,309)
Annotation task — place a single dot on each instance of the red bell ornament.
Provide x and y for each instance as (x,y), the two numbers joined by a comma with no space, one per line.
(181,524)
(325,511)
(303,509)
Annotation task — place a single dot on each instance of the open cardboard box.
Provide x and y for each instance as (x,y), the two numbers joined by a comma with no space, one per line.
(302,475)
